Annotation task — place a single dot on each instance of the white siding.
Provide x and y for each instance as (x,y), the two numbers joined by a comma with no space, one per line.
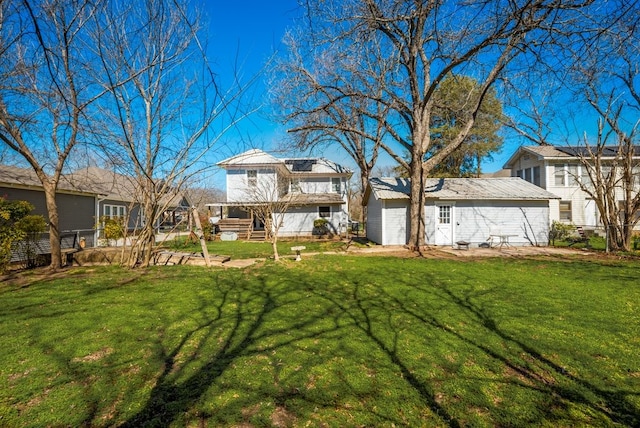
(395,220)
(298,221)
(315,184)
(527,220)
(374,219)
(430,223)
(237,189)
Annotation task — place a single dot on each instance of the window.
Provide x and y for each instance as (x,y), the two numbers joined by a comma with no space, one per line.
(573,175)
(324,212)
(565,210)
(114,211)
(252,177)
(295,185)
(336,185)
(536,175)
(584,176)
(558,175)
(527,175)
(444,216)
(519,173)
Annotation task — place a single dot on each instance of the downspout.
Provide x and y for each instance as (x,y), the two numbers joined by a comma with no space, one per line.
(97,219)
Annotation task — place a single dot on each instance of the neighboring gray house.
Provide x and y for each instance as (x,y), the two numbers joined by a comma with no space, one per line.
(76,207)
(460,209)
(317,186)
(84,197)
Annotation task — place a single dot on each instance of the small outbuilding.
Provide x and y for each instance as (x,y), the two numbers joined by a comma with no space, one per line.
(478,211)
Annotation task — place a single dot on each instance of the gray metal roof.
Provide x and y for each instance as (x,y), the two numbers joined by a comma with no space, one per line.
(564,152)
(503,188)
(295,166)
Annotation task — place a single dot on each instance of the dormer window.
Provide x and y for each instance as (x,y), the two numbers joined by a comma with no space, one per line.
(252,177)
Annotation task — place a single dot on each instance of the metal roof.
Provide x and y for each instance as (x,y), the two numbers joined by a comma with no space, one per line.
(503,188)
(251,157)
(295,166)
(306,166)
(564,152)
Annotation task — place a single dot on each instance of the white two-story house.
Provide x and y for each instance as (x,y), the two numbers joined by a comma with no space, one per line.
(558,170)
(315,187)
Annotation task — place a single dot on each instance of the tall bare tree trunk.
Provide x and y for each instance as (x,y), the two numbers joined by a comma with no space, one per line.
(54,222)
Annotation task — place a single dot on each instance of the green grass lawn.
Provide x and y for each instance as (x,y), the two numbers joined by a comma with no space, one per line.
(257,249)
(333,340)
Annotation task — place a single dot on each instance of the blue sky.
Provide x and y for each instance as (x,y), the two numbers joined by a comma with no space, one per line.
(247,33)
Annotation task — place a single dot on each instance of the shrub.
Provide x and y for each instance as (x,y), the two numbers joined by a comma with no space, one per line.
(560,231)
(33,226)
(320,226)
(10,213)
(113,228)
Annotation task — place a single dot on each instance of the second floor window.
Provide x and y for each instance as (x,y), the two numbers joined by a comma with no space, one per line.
(295,185)
(252,178)
(559,178)
(336,186)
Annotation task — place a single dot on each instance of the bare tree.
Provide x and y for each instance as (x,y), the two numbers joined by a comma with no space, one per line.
(308,96)
(45,89)
(592,79)
(417,44)
(612,179)
(269,200)
(612,161)
(160,126)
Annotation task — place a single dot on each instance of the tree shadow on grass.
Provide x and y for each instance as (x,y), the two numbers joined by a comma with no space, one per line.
(252,311)
(530,367)
(170,398)
(615,404)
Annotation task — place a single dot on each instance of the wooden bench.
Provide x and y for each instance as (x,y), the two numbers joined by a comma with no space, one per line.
(463,244)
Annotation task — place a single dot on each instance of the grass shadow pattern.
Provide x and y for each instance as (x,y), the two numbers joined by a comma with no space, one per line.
(333,340)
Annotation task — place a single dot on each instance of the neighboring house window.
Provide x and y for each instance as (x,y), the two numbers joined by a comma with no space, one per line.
(336,185)
(558,175)
(573,175)
(295,185)
(113,211)
(565,210)
(519,173)
(252,177)
(324,212)
(585,176)
(527,175)
(536,175)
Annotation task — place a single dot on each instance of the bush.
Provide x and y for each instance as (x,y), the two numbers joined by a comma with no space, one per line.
(113,228)
(33,226)
(10,213)
(320,226)
(207,228)
(560,231)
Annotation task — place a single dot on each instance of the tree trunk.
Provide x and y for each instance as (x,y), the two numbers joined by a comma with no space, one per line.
(420,137)
(54,222)
(274,246)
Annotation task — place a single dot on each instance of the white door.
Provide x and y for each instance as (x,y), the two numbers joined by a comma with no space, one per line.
(444,222)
